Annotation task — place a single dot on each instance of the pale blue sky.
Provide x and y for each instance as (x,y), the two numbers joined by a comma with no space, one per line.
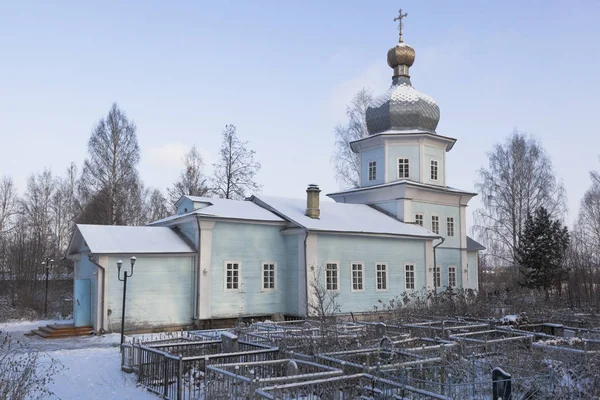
(282,72)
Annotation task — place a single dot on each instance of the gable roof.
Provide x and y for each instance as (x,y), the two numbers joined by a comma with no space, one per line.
(472,245)
(226,208)
(341,217)
(111,239)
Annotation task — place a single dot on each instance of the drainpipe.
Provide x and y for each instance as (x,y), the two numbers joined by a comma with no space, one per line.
(435,265)
(198,272)
(101,268)
(306,271)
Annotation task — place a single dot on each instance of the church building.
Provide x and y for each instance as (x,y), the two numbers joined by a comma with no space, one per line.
(403,230)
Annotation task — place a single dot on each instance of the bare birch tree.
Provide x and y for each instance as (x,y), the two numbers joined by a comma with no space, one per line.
(8,210)
(156,206)
(110,180)
(236,169)
(192,181)
(346,162)
(518,180)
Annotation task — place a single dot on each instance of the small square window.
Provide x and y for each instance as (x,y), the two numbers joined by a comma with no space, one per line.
(331,276)
(452,276)
(410,276)
(450,226)
(434,170)
(357,277)
(435,224)
(268,276)
(232,276)
(419,219)
(382,277)
(437,277)
(403,168)
(372,170)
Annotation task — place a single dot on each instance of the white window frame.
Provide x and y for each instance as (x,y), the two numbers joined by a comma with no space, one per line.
(438,224)
(387,277)
(450,223)
(422,219)
(406,270)
(362,276)
(437,276)
(407,169)
(262,276)
(239,269)
(337,276)
(374,170)
(434,163)
(452,269)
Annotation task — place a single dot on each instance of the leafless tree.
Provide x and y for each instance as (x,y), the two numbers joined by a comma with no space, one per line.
(110,180)
(192,181)
(63,208)
(322,303)
(156,206)
(347,163)
(518,180)
(8,210)
(236,170)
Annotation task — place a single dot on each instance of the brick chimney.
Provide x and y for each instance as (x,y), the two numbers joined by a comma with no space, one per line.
(312,201)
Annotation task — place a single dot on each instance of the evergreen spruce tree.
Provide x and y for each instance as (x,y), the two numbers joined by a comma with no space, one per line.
(541,251)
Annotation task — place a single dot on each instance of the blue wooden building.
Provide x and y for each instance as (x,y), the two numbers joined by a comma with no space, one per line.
(402,230)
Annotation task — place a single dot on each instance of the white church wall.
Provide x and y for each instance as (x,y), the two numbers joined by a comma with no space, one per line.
(396,151)
(376,155)
(160,292)
(438,154)
(442,212)
(395,253)
(250,245)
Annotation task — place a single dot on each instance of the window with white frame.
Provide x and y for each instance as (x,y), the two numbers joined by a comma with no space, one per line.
(434,170)
(403,171)
(331,276)
(381,276)
(232,275)
(357,277)
(450,226)
(452,276)
(437,276)
(269,276)
(419,219)
(372,170)
(410,275)
(435,224)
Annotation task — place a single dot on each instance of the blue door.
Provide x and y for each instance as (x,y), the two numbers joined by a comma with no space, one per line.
(81,303)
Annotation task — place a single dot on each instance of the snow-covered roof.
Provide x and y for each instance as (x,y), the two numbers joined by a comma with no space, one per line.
(472,245)
(342,217)
(226,208)
(111,239)
(405,182)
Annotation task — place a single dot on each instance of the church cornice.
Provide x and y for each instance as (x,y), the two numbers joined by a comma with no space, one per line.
(381,139)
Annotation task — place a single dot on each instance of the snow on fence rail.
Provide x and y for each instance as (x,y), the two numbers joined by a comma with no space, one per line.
(356,386)
(240,380)
(443,328)
(175,370)
(482,342)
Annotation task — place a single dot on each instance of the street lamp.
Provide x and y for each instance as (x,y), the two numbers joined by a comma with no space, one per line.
(48,263)
(124,280)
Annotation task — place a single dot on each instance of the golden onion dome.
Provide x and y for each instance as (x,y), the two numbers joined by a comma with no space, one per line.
(401,54)
(402,108)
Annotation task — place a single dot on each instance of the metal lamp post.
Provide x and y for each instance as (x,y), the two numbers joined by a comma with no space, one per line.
(48,262)
(124,280)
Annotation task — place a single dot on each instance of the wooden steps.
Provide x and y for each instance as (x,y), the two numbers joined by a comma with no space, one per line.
(61,331)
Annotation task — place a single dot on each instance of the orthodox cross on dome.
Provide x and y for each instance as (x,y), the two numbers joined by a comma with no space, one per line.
(399,18)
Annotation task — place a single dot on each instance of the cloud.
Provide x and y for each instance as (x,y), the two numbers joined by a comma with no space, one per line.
(170,155)
(376,78)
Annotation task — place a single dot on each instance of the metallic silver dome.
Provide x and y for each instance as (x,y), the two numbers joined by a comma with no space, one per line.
(402,108)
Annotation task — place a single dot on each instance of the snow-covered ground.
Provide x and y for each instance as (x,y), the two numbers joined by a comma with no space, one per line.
(91,364)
